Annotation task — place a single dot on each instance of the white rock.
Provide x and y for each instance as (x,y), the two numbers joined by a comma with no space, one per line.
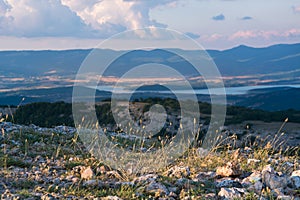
(284,197)
(111,198)
(274,181)
(231,193)
(268,168)
(155,187)
(87,173)
(179,172)
(249,161)
(145,178)
(296,173)
(254,177)
(296,181)
(227,183)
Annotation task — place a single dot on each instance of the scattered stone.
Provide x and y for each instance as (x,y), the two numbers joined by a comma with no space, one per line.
(111,198)
(46,176)
(145,179)
(157,188)
(284,197)
(179,172)
(295,179)
(256,187)
(227,183)
(249,161)
(103,169)
(253,178)
(231,169)
(231,193)
(48,197)
(87,173)
(296,173)
(273,180)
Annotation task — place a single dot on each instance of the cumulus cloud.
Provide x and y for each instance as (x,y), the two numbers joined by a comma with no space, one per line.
(130,14)
(89,18)
(246,18)
(31,18)
(220,17)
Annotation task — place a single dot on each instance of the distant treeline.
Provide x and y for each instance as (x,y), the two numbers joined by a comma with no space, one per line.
(60,113)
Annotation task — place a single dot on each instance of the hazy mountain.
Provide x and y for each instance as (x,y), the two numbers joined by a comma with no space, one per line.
(241,60)
(24,72)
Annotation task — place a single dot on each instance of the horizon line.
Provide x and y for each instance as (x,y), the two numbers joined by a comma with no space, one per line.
(207,49)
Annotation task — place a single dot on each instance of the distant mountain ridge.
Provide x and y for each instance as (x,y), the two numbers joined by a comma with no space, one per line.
(241,60)
(24,73)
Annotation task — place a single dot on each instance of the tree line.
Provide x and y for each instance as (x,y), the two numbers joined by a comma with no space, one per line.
(60,113)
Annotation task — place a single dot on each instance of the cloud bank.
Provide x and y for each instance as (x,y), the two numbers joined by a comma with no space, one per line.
(73,18)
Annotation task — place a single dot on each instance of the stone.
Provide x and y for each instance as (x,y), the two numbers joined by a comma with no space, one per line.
(231,169)
(295,179)
(228,184)
(231,193)
(87,173)
(157,188)
(296,173)
(273,180)
(249,161)
(103,169)
(253,178)
(145,178)
(179,172)
(284,197)
(47,197)
(256,187)
(268,168)
(111,198)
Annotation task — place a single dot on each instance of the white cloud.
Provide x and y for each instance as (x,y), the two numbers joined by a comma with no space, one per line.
(74,18)
(129,14)
(31,18)
(252,34)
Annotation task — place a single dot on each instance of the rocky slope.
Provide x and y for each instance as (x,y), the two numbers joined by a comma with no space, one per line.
(51,163)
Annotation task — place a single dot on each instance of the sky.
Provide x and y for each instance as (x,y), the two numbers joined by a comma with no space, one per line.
(214,24)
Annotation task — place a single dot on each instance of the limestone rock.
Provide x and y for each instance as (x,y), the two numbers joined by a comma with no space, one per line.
(157,188)
(111,198)
(228,184)
(178,172)
(295,179)
(272,179)
(231,169)
(87,173)
(231,193)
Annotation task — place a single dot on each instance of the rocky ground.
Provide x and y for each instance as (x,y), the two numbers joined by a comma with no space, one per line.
(43,163)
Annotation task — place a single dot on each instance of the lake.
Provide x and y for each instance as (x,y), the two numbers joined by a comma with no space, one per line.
(214,91)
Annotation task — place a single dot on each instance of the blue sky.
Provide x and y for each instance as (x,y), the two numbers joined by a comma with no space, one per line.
(215,24)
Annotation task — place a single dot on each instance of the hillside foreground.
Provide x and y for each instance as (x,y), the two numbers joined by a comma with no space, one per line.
(52,163)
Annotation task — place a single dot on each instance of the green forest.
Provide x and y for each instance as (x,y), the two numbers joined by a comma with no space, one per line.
(60,113)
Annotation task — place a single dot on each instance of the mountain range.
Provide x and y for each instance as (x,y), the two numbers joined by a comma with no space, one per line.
(36,74)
